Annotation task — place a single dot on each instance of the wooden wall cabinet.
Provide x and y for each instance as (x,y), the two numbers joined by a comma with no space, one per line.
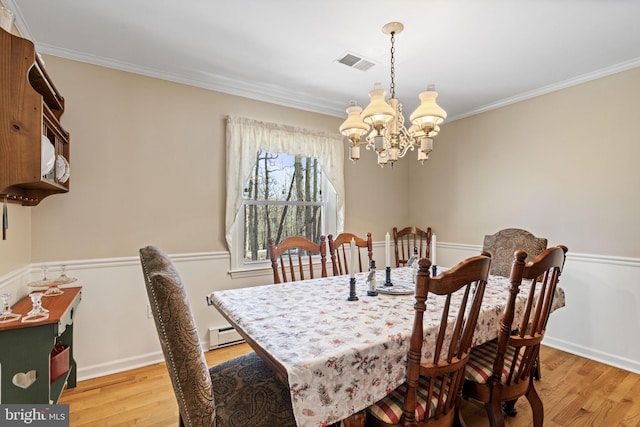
(30,107)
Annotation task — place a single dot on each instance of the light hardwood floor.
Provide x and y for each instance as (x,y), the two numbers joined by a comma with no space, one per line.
(575,391)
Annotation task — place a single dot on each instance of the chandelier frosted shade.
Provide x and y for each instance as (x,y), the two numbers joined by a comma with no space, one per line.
(429,114)
(378,113)
(354,127)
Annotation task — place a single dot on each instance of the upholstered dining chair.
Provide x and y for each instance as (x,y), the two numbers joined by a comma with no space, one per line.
(339,251)
(503,244)
(432,392)
(289,256)
(502,370)
(408,238)
(240,392)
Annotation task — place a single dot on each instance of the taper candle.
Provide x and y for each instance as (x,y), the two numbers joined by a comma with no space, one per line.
(352,267)
(387,251)
(433,250)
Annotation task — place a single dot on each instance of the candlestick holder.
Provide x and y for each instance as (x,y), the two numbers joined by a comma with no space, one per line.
(38,312)
(352,290)
(434,270)
(6,315)
(387,280)
(372,285)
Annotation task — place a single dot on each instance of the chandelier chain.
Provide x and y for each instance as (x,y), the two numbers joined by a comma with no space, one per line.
(392,89)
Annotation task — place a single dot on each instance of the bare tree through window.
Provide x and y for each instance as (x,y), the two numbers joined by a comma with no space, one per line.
(283,197)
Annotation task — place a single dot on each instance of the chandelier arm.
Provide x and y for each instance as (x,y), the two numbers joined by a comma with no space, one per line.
(370,143)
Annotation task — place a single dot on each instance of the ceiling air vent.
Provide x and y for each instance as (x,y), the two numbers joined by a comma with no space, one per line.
(354,61)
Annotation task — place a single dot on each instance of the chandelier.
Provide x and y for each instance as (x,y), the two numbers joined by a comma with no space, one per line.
(382,123)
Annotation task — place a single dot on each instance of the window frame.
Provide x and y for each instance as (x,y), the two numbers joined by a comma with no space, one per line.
(329,225)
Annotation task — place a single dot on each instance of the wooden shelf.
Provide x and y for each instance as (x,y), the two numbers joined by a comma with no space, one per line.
(30,108)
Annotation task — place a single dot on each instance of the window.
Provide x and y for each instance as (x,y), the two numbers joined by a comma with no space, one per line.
(285,196)
(281,181)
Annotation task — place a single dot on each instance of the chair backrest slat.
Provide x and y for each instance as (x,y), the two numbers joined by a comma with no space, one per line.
(339,250)
(289,254)
(408,238)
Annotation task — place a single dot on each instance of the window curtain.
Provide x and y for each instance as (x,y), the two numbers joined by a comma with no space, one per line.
(246,136)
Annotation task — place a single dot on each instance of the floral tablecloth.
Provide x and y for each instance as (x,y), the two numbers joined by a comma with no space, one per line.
(342,356)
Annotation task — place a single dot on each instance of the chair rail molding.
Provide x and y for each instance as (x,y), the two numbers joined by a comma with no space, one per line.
(601,294)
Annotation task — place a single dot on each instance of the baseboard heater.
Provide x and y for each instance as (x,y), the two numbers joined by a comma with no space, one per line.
(222,337)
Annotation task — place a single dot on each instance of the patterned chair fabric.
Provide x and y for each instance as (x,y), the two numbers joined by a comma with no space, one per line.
(239,392)
(480,364)
(248,394)
(503,244)
(389,410)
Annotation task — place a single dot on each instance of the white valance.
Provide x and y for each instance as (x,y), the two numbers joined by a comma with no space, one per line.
(246,136)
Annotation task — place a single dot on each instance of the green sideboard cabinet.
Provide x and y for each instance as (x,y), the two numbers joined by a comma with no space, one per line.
(26,351)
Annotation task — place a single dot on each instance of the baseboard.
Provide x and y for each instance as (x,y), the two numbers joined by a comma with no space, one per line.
(125,364)
(589,353)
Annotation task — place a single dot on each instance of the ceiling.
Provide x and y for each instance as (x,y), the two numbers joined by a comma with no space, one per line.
(480,54)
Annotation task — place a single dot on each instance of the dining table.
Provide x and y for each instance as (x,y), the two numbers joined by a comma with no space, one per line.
(337,355)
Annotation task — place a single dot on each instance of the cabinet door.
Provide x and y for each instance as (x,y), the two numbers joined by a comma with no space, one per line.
(25,362)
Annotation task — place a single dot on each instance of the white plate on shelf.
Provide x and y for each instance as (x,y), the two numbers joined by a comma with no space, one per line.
(48,156)
(67,170)
(62,169)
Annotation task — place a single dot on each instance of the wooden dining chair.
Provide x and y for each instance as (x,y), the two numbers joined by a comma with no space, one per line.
(502,370)
(432,392)
(503,244)
(289,256)
(240,392)
(408,238)
(339,249)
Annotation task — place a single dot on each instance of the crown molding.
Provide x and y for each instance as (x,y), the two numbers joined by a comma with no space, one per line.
(281,96)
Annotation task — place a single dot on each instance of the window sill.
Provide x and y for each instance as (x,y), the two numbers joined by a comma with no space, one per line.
(253,271)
